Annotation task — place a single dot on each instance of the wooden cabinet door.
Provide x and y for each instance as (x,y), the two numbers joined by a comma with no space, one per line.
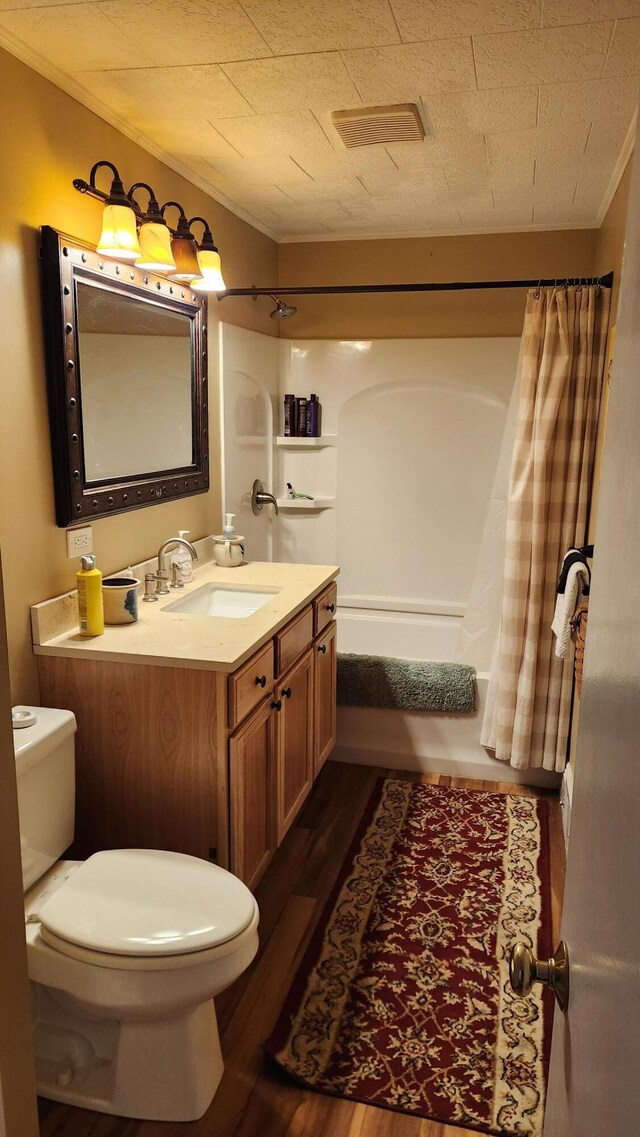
(324,699)
(294,692)
(252,771)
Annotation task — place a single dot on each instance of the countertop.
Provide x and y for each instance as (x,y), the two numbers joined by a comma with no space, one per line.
(175,639)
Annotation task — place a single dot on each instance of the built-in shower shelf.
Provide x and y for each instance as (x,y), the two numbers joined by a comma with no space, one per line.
(301,503)
(287,443)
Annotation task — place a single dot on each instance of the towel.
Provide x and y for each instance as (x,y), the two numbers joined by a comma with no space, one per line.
(577,580)
(575,556)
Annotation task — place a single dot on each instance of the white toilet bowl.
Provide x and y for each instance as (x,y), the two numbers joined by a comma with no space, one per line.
(125,950)
(125,953)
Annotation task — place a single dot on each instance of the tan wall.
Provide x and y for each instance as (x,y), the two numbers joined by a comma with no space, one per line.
(611,237)
(609,255)
(485,313)
(610,250)
(48,139)
(18,1117)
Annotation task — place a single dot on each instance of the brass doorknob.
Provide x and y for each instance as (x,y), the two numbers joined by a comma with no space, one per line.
(525,970)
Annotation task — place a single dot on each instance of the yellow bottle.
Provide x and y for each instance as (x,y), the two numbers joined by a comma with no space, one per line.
(90,608)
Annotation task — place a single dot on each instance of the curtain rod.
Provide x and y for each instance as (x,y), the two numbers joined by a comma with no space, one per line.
(449,286)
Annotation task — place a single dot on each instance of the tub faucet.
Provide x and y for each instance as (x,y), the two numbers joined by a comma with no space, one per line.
(162,575)
(261,497)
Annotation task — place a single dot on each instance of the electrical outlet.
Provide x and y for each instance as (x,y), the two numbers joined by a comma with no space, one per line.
(79,542)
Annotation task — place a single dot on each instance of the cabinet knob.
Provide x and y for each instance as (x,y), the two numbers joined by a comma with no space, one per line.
(322,648)
(330,607)
(277,705)
(286,691)
(261,680)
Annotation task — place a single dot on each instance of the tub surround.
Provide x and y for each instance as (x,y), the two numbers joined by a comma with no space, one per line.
(175,639)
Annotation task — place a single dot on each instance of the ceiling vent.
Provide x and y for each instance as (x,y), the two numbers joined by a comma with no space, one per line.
(379,126)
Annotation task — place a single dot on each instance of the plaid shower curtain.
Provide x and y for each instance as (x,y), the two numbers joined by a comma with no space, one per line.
(561,374)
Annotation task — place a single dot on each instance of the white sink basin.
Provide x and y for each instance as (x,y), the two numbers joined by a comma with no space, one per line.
(232,603)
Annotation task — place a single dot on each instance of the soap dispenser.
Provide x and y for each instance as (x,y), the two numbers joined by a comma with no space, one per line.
(228,530)
(182,558)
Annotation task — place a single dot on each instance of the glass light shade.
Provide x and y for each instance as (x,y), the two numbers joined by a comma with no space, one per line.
(187,268)
(119,238)
(155,243)
(211,271)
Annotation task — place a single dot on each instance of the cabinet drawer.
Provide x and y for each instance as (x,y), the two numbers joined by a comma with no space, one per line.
(293,640)
(324,607)
(250,684)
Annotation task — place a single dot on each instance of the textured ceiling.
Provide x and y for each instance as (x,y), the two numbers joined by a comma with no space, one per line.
(527,104)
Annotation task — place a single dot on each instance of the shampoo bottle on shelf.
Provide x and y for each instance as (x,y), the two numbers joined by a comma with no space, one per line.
(90,606)
(182,558)
(290,422)
(313,417)
(301,417)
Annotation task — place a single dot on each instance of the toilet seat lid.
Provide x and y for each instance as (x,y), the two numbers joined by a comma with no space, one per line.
(146,902)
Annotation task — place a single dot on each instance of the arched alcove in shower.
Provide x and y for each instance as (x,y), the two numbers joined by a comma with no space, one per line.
(416,461)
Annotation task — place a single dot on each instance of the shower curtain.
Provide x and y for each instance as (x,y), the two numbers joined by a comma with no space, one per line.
(561,373)
(478,630)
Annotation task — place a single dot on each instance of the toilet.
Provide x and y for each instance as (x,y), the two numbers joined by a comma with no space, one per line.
(126,950)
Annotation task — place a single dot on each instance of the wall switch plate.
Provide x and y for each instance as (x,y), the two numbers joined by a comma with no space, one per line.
(79,542)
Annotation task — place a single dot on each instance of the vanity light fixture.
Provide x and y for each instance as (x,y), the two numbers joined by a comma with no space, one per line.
(154,235)
(130,233)
(211,279)
(119,237)
(183,248)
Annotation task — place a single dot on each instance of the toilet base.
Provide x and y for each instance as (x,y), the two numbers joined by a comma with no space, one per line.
(157,1070)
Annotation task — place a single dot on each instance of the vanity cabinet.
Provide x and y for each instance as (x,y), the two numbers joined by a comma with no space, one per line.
(196,760)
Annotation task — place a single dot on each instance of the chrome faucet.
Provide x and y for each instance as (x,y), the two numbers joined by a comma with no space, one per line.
(161,577)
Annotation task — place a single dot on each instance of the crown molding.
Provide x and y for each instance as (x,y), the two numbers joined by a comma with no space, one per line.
(618,170)
(422,233)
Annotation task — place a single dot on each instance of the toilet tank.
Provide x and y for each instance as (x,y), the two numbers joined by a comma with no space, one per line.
(45,773)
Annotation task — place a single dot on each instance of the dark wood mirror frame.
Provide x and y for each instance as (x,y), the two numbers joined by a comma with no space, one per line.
(65,263)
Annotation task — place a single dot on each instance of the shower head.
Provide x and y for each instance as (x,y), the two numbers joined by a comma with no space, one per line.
(282,310)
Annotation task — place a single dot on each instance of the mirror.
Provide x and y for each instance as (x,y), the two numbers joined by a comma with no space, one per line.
(126,365)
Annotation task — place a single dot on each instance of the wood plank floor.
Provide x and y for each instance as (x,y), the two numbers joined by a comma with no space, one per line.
(253,1099)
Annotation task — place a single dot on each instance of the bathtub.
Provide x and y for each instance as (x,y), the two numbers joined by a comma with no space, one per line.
(421,742)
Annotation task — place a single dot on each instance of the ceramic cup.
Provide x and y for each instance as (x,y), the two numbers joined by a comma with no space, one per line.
(228,552)
(120,599)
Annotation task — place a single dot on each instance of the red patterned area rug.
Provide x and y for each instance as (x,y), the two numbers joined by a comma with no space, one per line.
(403,999)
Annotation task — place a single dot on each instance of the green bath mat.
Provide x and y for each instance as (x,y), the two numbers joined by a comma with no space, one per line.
(405,684)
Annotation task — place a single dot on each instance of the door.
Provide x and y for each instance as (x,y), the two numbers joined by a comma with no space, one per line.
(594,1089)
(252,769)
(295,740)
(324,696)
